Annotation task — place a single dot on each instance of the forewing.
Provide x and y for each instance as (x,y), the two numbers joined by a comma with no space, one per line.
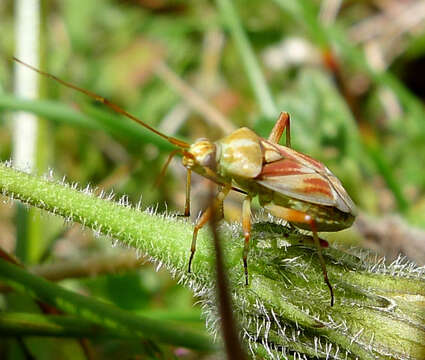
(292,179)
(275,152)
(301,177)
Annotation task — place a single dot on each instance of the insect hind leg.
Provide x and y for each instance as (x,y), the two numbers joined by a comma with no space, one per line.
(296,216)
(281,124)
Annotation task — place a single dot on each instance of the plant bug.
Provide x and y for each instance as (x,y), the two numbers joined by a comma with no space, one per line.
(290,185)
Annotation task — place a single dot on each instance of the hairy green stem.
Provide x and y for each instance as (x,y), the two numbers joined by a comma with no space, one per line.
(379,310)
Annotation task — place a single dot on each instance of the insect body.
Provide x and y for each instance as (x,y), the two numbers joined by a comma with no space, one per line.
(289,184)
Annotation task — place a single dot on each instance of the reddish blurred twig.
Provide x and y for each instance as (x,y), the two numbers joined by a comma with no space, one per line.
(228,324)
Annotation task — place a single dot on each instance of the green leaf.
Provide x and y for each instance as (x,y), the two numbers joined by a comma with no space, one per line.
(101,313)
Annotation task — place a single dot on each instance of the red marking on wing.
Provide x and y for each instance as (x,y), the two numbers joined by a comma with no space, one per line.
(310,187)
(317,185)
(291,154)
(296,175)
(315,163)
(282,168)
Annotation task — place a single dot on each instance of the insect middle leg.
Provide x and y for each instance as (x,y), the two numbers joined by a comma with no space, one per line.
(246,226)
(216,206)
(281,124)
(295,216)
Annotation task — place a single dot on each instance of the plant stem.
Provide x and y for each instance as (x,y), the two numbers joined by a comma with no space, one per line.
(378,311)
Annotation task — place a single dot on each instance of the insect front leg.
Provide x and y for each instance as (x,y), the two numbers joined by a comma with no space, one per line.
(246,226)
(217,204)
(188,181)
(295,216)
(281,124)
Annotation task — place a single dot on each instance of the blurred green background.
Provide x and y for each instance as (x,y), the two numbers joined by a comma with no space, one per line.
(350,73)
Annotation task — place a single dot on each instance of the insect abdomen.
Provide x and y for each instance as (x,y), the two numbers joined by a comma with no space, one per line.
(327,218)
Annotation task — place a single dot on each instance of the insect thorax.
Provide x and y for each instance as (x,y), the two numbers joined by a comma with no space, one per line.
(240,154)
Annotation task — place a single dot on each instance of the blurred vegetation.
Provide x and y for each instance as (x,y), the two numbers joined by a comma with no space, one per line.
(353,84)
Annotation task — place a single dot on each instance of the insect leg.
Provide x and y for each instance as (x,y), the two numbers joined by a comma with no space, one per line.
(295,216)
(165,167)
(217,203)
(246,226)
(188,183)
(281,124)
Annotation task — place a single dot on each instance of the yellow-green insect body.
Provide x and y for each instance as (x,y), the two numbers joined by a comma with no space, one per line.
(277,174)
(289,184)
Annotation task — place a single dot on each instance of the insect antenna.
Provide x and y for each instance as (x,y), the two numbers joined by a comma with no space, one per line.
(179,143)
